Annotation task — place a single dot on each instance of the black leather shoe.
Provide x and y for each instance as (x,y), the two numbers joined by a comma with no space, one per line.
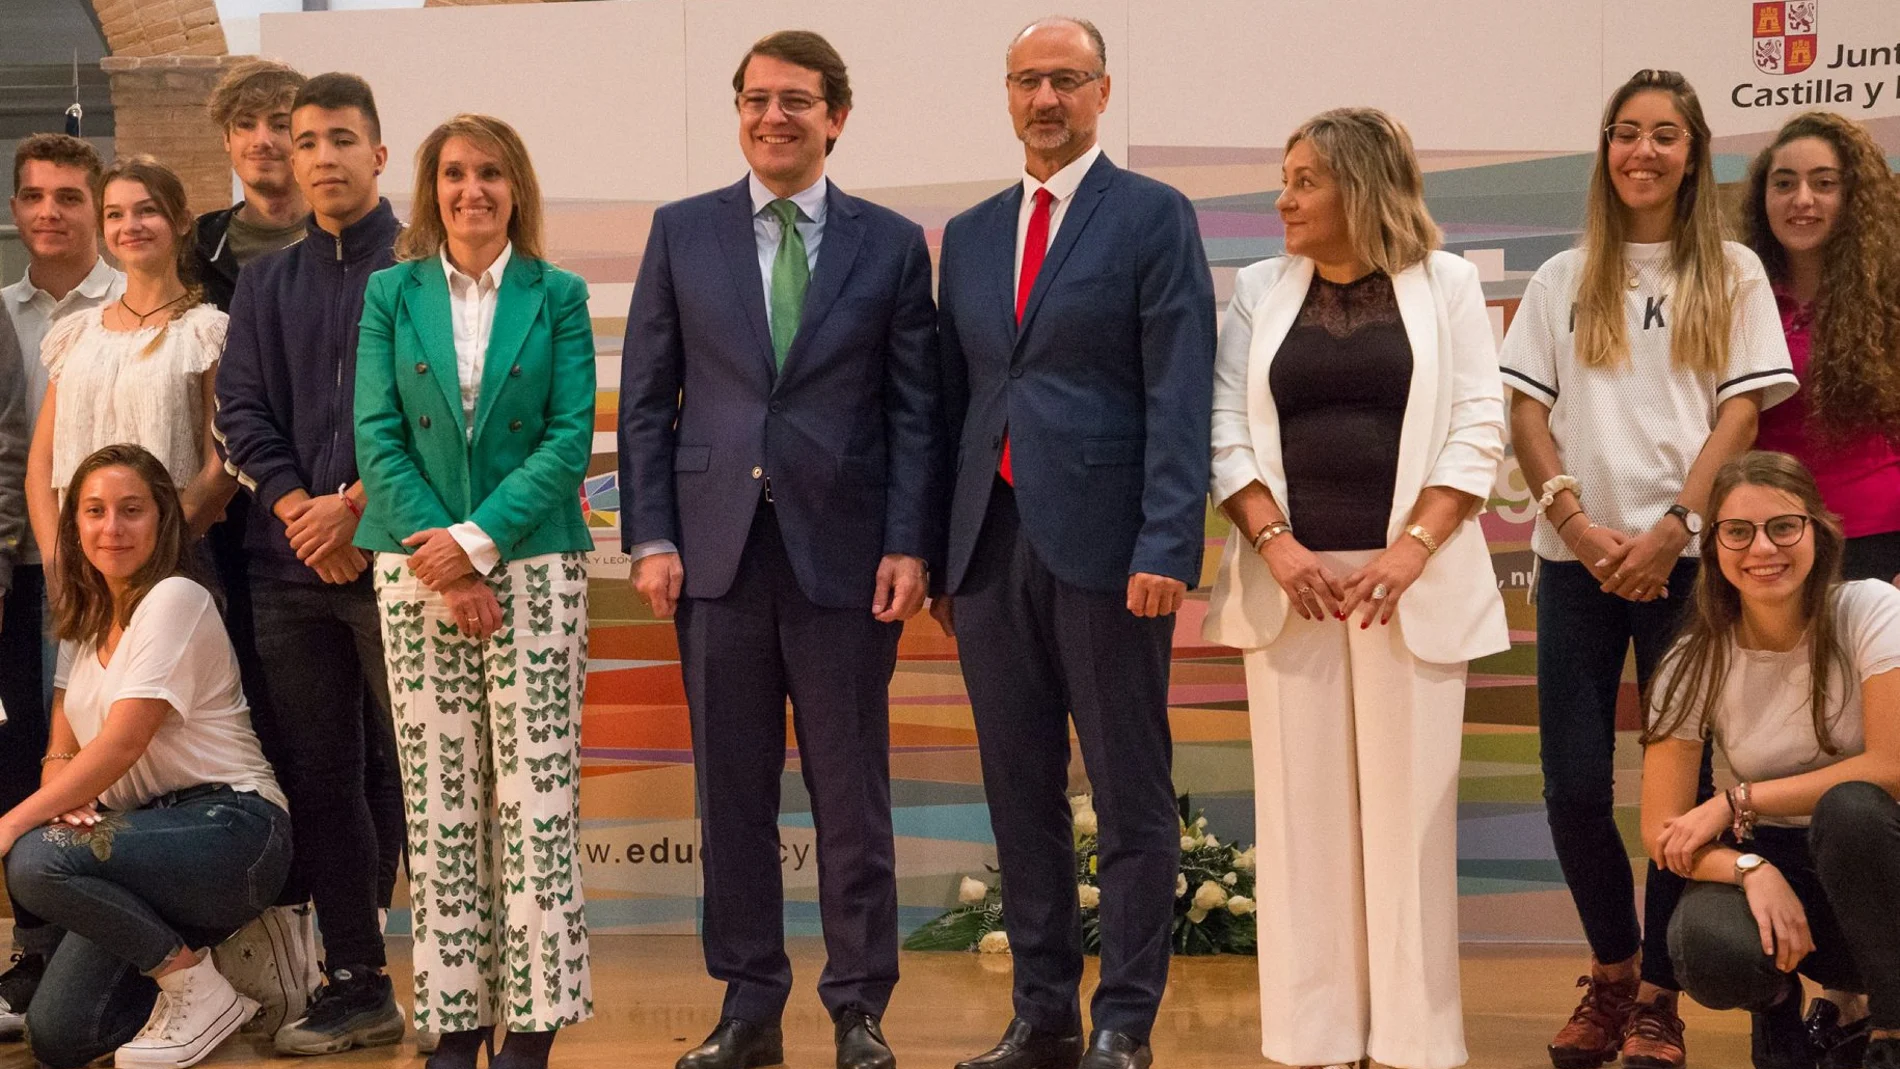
(861,1043)
(736,1044)
(1116,1050)
(1022,1047)
(1835,1046)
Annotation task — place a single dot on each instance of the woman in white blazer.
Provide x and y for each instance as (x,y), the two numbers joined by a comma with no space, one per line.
(1358,425)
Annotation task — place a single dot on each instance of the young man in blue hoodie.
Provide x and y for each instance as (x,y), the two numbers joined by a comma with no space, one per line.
(286,401)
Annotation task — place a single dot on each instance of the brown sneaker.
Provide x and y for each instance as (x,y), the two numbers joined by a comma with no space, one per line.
(1654,1040)
(1595,1032)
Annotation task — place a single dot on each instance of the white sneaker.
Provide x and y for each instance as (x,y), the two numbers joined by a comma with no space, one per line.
(273,960)
(197,1010)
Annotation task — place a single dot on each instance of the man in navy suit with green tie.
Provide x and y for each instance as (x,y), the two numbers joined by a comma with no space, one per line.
(780,454)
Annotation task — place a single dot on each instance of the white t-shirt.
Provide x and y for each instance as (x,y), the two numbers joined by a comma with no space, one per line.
(111,390)
(175,649)
(1629,434)
(1762,722)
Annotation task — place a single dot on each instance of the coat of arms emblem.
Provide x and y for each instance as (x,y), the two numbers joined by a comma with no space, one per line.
(1785,41)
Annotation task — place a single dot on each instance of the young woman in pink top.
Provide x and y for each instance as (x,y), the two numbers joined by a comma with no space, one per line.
(1823,213)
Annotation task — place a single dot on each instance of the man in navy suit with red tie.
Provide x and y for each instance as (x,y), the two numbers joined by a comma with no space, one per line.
(1077,329)
(781,446)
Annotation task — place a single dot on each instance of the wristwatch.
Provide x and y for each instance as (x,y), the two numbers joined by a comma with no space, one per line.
(1746,864)
(1690,520)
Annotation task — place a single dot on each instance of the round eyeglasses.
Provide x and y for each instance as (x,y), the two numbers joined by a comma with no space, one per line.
(1662,138)
(1783,531)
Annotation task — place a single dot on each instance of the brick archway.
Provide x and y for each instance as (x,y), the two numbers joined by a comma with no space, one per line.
(164,57)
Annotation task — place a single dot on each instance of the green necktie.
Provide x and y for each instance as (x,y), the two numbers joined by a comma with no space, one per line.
(790,274)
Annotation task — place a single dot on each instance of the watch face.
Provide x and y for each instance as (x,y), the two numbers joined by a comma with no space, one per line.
(1694,522)
(1748,863)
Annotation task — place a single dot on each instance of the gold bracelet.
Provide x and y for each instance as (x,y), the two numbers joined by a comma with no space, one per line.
(1270,532)
(1425,537)
(51,757)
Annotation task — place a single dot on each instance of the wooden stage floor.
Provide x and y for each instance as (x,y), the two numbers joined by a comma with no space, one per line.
(653,1001)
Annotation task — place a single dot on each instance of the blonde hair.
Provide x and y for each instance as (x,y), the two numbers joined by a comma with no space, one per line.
(1704,303)
(1370,154)
(425,233)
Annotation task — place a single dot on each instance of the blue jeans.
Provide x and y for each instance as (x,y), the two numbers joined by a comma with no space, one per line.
(185,871)
(1583,636)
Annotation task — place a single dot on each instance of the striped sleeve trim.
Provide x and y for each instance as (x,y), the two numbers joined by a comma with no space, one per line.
(1759,380)
(1525,384)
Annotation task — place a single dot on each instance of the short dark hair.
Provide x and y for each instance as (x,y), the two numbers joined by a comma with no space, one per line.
(338,90)
(253,87)
(62,149)
(802,48)
(1087,27)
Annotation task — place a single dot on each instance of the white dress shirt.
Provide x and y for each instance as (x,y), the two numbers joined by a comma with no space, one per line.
(34,313)
(472,304)
(1061,185)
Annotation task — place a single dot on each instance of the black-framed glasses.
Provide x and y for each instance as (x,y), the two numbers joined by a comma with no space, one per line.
(1663,138)
(756,103)
(1064,82)
(1783,531)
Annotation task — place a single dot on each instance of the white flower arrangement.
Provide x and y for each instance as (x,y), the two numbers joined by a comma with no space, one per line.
(1209,895)
(1213,888)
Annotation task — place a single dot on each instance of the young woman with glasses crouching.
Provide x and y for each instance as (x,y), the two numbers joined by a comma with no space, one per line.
(1795,676)
(158,829)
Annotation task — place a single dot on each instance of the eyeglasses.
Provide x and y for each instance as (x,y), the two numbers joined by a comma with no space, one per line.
(1064,82)
(789,103)
(1783,531)
(1662,138)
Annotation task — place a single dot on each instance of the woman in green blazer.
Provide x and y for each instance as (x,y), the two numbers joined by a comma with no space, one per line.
(474,423)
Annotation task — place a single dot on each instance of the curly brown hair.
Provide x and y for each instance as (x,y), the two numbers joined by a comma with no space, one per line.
(1853,376)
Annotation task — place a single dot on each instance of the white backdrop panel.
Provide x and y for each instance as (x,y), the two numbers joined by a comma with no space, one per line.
(1467,75)
(594,89)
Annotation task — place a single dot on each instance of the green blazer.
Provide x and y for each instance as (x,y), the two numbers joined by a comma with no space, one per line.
(519,479)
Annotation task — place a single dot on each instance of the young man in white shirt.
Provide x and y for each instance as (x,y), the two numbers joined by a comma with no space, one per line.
(53,207)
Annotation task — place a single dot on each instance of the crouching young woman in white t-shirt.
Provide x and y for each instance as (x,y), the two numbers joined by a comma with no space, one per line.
(158,828)
(1796,677)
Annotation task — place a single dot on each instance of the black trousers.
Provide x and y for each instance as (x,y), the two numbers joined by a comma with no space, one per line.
(742,656)
(1845,869)
(1583,637)
(324,722)
(23,691)
(1036,652)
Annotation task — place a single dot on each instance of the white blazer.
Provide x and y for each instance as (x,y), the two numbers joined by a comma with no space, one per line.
(1453,435)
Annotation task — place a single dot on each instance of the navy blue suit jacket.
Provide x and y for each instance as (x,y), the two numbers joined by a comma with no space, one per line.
(849,432)
(1106,389)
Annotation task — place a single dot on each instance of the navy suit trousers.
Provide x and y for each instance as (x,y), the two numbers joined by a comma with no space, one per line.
(1035,652)
(742,655)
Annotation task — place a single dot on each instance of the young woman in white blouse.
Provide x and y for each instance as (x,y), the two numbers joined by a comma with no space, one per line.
(158,829)
(1639,362)
(1796,676)
(142,368)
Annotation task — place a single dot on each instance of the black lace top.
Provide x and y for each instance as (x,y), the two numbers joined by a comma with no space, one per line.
(1340,382)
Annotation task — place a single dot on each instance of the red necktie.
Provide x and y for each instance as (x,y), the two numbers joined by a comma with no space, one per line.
(1035,247)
